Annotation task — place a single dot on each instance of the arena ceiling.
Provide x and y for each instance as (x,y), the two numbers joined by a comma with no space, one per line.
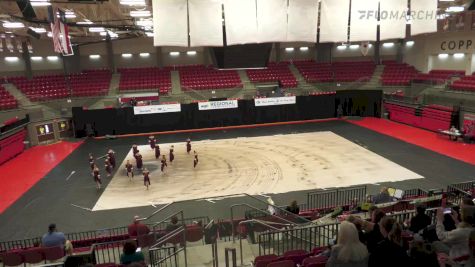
(113,15)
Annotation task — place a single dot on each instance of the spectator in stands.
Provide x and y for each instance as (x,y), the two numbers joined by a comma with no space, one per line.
(130,254)
(357,222)
(293,207)
(455,243)
(373,234)
(389,252)
(420,221)
(56,239)
(173,224)
(137,228)
(382,197)
(349,251)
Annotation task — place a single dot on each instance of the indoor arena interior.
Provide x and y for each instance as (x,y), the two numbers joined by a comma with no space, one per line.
(237,133)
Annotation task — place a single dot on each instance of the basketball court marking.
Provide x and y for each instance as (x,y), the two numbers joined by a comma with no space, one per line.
(253,165)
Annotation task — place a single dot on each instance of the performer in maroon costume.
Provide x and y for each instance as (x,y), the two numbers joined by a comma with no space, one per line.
(195,161)
(157,151)
(172,156)
(108,166)
(97,176)
(188,145)
(146,178)
(111,155)
(164,163)
(129,168)
(135,150)
(152,141)
(138,158)
(91,161)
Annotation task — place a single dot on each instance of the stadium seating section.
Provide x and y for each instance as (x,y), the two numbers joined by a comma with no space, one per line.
(50,87)
(140,79)
(397,73)
(347,71)
(432,118)
(275,72)
(437,76)
(466,83)
(199,77)
(7,101)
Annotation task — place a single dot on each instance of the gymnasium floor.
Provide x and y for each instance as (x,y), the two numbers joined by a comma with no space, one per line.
(67,195)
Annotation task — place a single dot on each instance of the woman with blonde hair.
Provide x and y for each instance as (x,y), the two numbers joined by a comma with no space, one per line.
(349,251)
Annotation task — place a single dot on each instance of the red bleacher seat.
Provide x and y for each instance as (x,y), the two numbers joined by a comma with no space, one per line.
(284,263)
(399,74)
(50,87)
(200,77)
(437,76)
(275,72)
(7,101)
(149,78)
(345,71)
(466,83)
(264,260)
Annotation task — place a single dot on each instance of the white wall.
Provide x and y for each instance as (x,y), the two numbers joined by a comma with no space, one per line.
(449,63)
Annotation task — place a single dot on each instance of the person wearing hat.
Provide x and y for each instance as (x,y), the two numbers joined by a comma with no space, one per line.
(137,228)
(56,239)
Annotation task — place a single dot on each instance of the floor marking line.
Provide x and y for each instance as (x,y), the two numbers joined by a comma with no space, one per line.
(84,208)
(72,173)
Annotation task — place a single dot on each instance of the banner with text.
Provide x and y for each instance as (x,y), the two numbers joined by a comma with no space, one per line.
(211,105)
(141,110)
(275,101)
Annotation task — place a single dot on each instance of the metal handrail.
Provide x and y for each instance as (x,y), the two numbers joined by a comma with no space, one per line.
(172,234)
(266,224)
(156,212)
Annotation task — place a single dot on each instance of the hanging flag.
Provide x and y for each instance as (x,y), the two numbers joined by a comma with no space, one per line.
(30,47)
(19,46)
(59,29)
(10,45)
(364,48)
(1,43)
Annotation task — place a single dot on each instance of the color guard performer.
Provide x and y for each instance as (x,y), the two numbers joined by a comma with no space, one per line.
(152,141)
(172,156)
(108,166)
(157,151)
(164,163)
(146,178)
(135,150)
(188,145)
(91,162)
(195,161)
(111,155)
(138,159)
(129,168)
(97,176)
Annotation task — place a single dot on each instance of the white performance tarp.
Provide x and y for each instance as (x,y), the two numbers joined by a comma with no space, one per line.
(141,110)
(212,105)
(302,21)
(275,101)
(241,21)
(334,16)
(272,20)
(170,22)
(364,20)
(206,26)
(423,16)
(392,19)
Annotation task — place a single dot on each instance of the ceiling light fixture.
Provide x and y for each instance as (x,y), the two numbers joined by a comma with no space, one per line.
(40,3)
(36,58)
(38,30)
(52,58)
(133,2)
(127,55)
(140,13)
(455,9)
(11,59)
(174,54)
(191,53)
(13,25)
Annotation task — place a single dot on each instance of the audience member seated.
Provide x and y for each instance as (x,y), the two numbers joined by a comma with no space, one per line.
(382,197)
(131,255)
(420,221)
(56,239)
(293,207)
(389,252)
(349,251)
(455,243)
(373,233)
(137,228)
(173,224)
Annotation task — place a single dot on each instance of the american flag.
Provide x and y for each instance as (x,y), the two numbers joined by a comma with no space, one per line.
(60,33)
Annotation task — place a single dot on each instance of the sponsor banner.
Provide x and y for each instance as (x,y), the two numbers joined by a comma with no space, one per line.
(141,110)
(218,105)
(275,101)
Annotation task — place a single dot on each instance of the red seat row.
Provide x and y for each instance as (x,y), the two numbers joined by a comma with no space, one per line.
(11,146)
(293,258)
(275,72)
(466,83)
(200,77)
(32,256)
(7,101)
(148,78)
(430,118)
(399,74)
(437,76)
(348,71)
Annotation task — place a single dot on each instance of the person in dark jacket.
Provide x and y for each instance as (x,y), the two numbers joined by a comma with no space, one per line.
(420,221)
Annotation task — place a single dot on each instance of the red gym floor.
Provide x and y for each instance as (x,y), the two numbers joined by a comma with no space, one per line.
(426,139)
(21,173)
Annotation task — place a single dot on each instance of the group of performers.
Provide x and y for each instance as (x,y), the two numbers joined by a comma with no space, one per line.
(109,165)
(110,162)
